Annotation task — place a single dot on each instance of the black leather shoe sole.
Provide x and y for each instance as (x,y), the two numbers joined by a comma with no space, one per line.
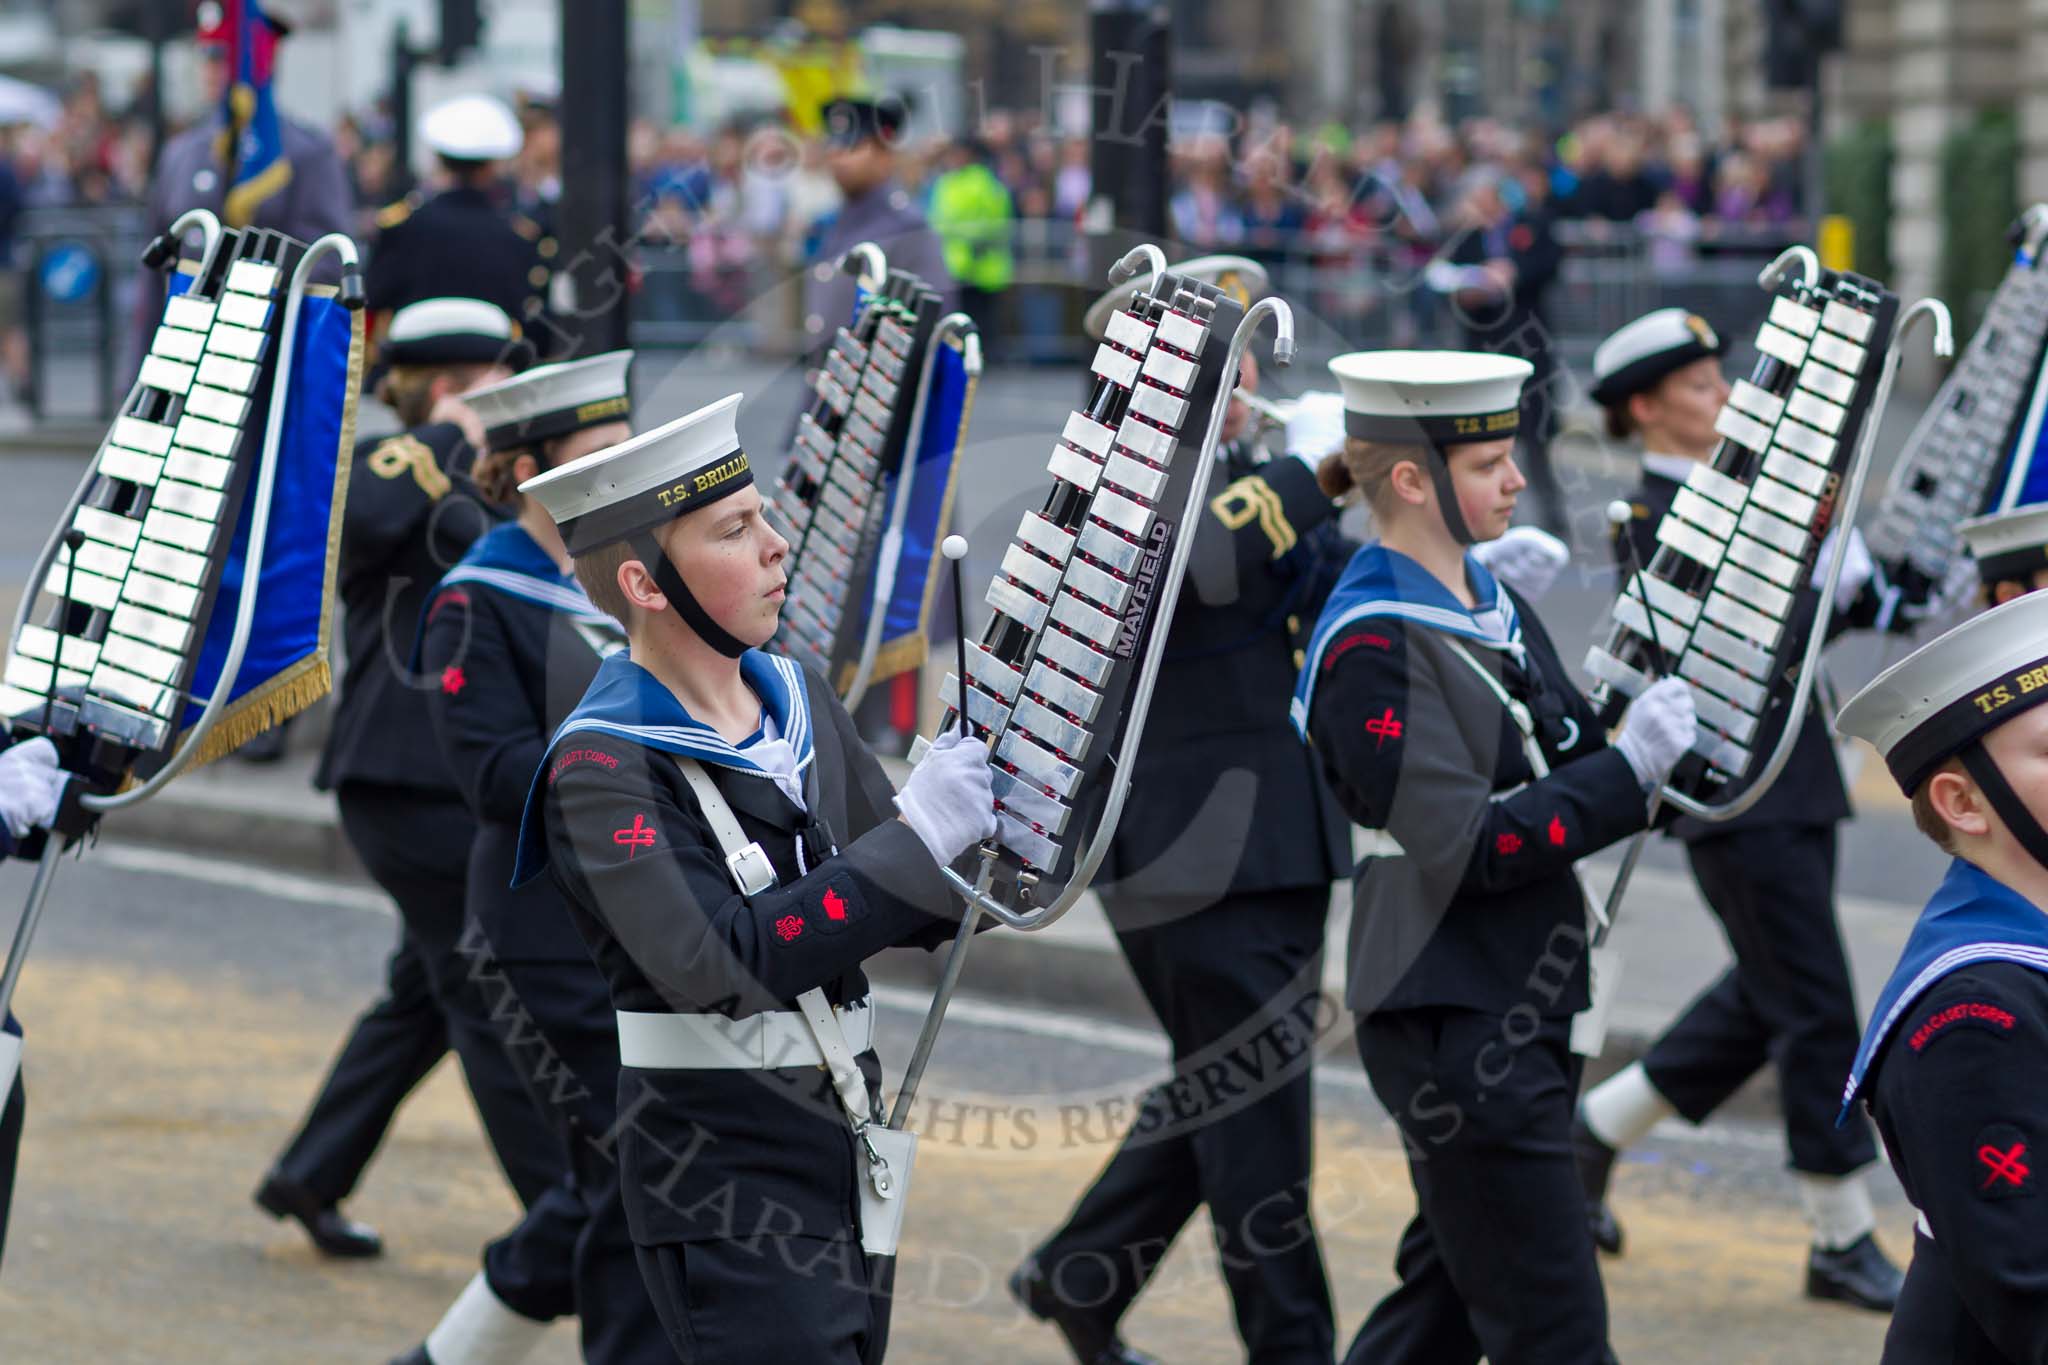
(1090,1342)
(1861,1276)
(332,1234)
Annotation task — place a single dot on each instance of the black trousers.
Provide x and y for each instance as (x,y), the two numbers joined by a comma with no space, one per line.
(1236,985)
(416,847)
(556,1019)
(11,1120)
(1788,999)
(394,1044)
(771,1298)
(1498,1262)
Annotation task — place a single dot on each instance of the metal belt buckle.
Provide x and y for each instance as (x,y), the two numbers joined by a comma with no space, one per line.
(750,869)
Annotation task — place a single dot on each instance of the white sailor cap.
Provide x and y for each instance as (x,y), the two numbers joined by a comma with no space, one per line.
(1928,707)
(2008,545)
(1635,358)
(454,331)
(1435,398)
(642,483)
(472,128)
(554,400)
(1241,277)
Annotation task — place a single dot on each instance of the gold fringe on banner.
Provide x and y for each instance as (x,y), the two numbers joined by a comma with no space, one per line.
(311,678)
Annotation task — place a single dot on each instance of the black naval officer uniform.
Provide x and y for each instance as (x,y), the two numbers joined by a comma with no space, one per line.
(510,644)
(1952,1070)
(739,1186)
(460,243)
(412,513)
(1769,877)
(1218,885)
(1514,325)
(1468,949)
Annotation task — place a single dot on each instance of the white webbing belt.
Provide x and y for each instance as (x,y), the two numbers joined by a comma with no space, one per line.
(890,1152)
(826,1025)
(712,1042)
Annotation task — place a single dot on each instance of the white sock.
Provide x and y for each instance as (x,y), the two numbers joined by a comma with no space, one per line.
(478,1329)
(1838,1207)
(1624,1107)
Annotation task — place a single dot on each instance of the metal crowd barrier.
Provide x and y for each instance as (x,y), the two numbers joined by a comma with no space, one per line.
(1346,295)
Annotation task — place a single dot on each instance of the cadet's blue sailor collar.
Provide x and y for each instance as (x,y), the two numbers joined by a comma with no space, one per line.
(1379,582)
(628,702)
(508,559)
(1973,917)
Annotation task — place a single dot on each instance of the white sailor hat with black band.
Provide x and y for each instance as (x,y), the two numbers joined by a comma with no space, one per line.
(1436,399)
(454,331)
(1940,701)
(626,491)
(1637,357)
(2009,545)
(554,400)
(472,128)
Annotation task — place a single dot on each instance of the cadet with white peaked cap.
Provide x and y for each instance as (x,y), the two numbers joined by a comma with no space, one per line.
(1954,1065)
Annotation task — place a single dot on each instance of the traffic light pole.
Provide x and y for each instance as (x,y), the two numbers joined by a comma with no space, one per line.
(1131,78)
(594,176)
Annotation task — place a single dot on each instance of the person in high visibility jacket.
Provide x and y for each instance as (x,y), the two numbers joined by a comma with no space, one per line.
(972,212)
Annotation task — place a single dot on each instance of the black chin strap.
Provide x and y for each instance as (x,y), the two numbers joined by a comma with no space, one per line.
(1439,463)
(681,598)
(2006,801)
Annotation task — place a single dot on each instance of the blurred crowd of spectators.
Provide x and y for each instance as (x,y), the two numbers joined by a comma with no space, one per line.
(1344,209)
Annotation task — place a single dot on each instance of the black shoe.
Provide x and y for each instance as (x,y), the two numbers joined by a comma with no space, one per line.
(267,747)
(1092,1341)
(1596,1167)
(416,1356)
(1859,1274)
(334,1234)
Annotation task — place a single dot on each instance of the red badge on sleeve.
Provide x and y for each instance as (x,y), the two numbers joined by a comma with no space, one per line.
(1557,831)
(452,680)
(839,904)
(1507,845)
(1383,728)
(635,836)
(789,927)
(2002,1161)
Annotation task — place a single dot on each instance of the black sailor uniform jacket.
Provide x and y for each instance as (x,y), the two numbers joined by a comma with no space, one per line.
(706,1155)
(1224,799)
(1480,909)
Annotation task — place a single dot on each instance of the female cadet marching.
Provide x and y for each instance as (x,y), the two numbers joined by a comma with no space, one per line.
(732,855)
(1768,876)
(509,643)
(411,513)
(1451,732)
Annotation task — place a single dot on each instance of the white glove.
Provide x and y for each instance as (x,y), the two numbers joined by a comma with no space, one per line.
(947,798)
(1527,559)
(1660,726)
(1315,427)
(30,785)
(1857,566)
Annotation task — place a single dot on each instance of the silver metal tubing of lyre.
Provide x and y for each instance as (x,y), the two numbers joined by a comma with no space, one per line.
(953,324)
(337,244)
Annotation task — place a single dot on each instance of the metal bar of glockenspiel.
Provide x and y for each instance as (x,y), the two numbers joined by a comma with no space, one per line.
(1816,642)
(259,531)
(906,482)
(210,231)
(1162,616)
(17,953)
